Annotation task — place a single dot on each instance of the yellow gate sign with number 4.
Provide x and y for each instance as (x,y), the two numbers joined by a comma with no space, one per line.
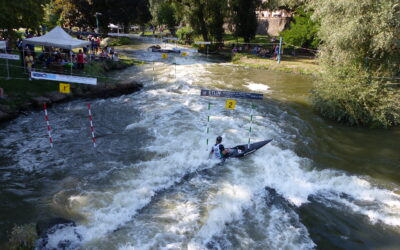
(230,104)
(65,88)
(184,54)
(164,56)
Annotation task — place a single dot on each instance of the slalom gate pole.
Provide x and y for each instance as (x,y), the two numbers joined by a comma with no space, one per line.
(91,125)
(72,64)
(208,125)
(46,117)
(175,68)
(153,72)
(280,50)
(23,57)
(251,122)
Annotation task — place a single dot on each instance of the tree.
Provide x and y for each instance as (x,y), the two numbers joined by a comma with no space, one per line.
(360,46)
(303,31)
(81,13)
(74,13)
(143,15)
(245,18)
(206,17)
(21,14)
(52,15)
(284,4)
(166,16)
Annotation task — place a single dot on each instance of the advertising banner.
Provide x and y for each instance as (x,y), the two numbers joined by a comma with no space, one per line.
(64,78)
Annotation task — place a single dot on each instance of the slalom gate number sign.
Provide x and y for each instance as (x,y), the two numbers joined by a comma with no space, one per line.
(65,88)
(230,104)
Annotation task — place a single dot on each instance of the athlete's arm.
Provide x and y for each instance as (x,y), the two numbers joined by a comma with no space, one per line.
(211,153)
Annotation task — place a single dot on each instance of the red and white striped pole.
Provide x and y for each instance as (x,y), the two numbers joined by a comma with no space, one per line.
(48,124)
(91,125)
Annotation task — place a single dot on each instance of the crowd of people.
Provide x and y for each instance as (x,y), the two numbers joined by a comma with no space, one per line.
(55,57)
(257,50)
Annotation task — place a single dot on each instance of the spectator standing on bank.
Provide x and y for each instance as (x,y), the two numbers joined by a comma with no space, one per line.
(29,63)
(276,52)
(80,58)
(98,41)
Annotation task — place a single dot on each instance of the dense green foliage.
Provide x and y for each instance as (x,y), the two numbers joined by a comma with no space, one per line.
(360,47)
(206,17)
(51,15)
(166,16)
(72,13)
(185,34)
(302,31)
(118,41)
(16,14)
(81,13)
(245,18)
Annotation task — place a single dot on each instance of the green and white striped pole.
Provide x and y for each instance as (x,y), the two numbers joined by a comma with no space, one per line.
(208,125)
(153,72)
(251,122)
(175,68)
(280,50)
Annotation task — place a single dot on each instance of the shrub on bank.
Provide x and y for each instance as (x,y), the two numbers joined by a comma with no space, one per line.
(357,100)
(185,34)
(118,41)
(360,47)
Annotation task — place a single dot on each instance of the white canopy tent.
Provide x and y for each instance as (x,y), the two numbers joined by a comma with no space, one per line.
(58,38)
(113,26)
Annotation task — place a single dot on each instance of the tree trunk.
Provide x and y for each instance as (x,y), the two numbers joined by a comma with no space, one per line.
(126,27)
(203,27)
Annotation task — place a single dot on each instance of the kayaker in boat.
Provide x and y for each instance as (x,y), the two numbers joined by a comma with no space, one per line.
(219,150)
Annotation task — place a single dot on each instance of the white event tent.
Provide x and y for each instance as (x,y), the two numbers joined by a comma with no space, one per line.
(57,38)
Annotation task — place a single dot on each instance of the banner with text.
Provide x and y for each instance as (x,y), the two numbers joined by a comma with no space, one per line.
(9,56)
(200,42)
(231,94)
(64,78)
(123,35)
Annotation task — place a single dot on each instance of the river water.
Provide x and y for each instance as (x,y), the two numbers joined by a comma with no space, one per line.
(317,185)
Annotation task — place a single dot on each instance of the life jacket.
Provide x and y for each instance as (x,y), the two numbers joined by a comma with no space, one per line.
(217,152)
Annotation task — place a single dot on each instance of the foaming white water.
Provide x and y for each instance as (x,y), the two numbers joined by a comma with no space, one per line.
(175,118)
(293,179)
(227,206)
(257,86)
(106,211)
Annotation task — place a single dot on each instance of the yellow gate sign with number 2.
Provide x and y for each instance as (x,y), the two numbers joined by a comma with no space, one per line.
(230,104)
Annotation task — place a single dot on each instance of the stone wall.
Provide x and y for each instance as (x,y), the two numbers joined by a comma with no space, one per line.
(272,22)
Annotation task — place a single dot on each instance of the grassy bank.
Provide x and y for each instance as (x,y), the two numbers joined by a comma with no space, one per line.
(288,64)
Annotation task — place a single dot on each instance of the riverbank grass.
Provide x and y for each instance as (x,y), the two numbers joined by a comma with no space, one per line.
(288,63)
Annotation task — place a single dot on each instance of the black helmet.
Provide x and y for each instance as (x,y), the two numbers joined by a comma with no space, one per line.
(219,139)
